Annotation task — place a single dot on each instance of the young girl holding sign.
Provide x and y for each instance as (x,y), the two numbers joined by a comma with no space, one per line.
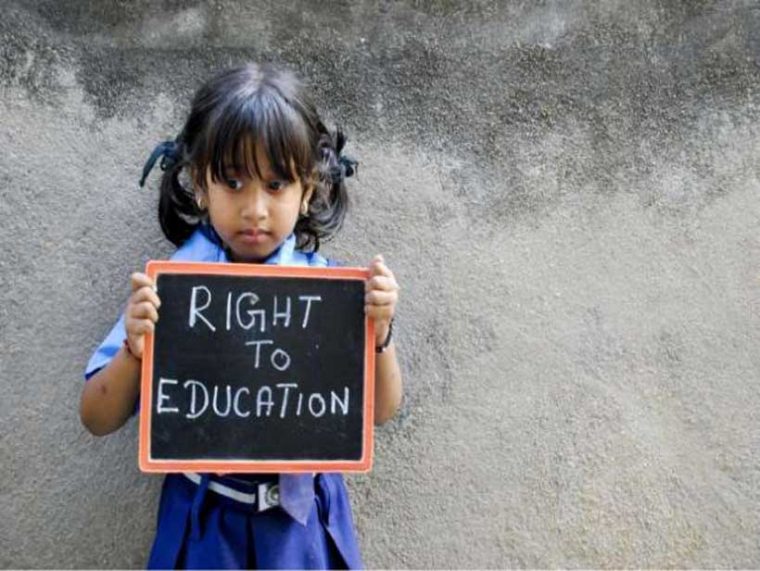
(256,177)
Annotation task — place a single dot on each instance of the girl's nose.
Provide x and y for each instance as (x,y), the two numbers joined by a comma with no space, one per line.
(255,206)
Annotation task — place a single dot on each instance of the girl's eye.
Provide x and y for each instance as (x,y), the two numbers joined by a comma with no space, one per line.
(276,185)
(234,184)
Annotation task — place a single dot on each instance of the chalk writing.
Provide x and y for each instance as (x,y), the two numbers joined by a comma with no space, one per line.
(238,402)
(244,314)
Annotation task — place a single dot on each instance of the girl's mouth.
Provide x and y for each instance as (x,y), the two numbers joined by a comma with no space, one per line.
(252,236)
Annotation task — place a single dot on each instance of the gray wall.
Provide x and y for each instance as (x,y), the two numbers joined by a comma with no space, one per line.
(567,192)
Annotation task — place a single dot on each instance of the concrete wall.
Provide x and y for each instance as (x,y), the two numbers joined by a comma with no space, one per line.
(568,193)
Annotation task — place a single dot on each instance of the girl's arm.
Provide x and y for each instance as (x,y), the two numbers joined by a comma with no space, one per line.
(109,397)
(381,298)
(388,386)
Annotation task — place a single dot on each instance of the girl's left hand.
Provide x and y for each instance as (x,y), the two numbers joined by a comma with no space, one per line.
(381,297)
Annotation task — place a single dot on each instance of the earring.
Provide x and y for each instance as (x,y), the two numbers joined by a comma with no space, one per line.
(199,202)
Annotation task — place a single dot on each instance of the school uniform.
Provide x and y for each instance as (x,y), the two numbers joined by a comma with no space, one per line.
(246,520)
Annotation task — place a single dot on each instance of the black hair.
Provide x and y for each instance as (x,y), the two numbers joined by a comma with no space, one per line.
(231,115)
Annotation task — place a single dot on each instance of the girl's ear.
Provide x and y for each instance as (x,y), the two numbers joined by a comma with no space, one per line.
(308,193)
(199,190)
(309,185)
(306,199)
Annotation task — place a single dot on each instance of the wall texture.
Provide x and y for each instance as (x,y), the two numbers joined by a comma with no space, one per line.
(568,193)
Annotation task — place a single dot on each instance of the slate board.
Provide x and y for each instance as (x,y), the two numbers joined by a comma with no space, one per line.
(256,368)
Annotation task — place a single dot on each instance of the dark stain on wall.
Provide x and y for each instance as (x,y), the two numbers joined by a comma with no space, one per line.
(578,85)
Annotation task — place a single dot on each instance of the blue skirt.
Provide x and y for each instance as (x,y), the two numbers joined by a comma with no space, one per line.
(222,533)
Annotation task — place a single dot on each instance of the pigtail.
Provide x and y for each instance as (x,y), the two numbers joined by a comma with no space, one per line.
(178,212)
(330,201)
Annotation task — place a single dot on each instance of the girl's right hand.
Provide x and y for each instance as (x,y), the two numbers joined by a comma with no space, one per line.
(141,314)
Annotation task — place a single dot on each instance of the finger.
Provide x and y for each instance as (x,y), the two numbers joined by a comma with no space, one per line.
(383,283)
(379,269)
(136,345)
(377,297)
(145,310)
(379,312)
(140,326)
(377,266)
(146,293)
(138,280)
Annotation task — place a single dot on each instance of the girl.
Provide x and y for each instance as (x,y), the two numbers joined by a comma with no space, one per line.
(256,177)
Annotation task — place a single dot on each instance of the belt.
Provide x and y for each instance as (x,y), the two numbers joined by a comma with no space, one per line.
(266,495)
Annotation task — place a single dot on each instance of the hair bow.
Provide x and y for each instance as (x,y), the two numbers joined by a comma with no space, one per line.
(168,153)
(347,165)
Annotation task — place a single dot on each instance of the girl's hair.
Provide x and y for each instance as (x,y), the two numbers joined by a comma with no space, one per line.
(232,115)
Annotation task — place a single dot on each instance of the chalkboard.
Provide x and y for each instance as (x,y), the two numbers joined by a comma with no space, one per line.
(256,368)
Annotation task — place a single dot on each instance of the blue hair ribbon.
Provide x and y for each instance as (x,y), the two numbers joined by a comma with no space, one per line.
(168,153)
(345,168)
(348,165)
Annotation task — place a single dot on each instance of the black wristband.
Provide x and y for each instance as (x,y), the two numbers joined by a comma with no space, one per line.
(384,346)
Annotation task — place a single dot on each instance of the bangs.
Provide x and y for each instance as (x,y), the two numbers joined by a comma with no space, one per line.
(263,124)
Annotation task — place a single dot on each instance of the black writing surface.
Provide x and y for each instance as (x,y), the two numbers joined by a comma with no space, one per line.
(257,368)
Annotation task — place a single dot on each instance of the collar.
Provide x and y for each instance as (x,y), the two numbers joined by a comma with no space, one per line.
(205,245)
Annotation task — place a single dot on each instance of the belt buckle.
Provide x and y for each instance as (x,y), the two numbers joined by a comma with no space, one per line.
(268,496)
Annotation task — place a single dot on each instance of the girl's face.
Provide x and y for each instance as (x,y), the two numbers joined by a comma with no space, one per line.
(254,216)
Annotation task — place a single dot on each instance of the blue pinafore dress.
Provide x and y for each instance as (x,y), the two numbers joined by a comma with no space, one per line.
(236,521)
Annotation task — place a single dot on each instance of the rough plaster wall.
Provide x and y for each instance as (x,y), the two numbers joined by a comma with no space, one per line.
(567,192)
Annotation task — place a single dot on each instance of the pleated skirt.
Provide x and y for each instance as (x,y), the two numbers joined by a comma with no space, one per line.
(201,529)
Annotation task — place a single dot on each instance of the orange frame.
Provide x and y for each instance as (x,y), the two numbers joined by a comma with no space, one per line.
(364,464)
